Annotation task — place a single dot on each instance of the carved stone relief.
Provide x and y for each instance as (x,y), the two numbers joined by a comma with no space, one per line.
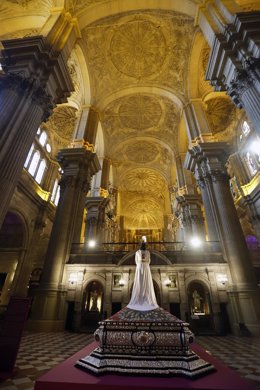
(75,74)
(204,85)
(130,49)
(141,152)
(222,116)
(62,124)
(75,6)
(138,48)
(141,115)
(140,112)
(10,7)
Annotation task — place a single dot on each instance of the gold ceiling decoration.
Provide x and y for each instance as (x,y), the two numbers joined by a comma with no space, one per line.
(138,48)
(21,34)
(142,152)
(144,213)
(75,6)
(140,112)
(62,123)
(204,85)
(27,5)
(130,50)
(143,180)
(220,114)
(123,119)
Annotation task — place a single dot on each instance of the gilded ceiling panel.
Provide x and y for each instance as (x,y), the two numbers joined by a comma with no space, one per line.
(222,117)
(75,6)
(61,124)
(143,181)
(11,8)
(140,115)
(138,49)
(204,85)
(141,152)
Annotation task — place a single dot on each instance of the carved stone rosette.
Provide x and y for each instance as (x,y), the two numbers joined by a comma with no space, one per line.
(151,343)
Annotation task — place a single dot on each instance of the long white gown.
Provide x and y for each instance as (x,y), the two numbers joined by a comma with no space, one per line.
(143,296)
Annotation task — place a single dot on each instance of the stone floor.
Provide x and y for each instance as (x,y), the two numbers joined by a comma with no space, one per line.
(39,352)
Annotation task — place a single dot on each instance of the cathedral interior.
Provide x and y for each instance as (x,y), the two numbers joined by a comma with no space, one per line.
(128,118)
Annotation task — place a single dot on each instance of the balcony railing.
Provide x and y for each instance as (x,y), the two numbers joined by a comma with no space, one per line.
(160,246)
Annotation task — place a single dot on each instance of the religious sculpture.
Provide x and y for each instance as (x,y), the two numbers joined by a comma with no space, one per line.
(93,301)
(143,295)
(143,328)
(196,301)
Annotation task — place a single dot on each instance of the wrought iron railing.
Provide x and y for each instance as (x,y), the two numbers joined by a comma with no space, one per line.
(160,246)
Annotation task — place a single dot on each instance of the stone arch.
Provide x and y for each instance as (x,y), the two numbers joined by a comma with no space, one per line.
(102,10)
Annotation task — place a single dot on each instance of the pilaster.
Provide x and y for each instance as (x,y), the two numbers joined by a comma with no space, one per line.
(234,64)
(49,308)
(35,79)
(210,160)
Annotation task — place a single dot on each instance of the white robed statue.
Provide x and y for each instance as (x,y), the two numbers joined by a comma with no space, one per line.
(143,296)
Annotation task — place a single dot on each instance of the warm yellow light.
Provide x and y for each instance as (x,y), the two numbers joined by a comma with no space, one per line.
(196,242)
(92,243)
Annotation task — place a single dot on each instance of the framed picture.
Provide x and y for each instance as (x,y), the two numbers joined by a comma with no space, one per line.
(116,281)
(173,281)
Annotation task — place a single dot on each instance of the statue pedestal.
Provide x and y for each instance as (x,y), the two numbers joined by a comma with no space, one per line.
(147,343)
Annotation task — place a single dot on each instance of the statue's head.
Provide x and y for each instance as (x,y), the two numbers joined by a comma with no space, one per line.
(143,243)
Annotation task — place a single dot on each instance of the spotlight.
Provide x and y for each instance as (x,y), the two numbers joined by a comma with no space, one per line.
(196,242)
(255,146)
(92,243)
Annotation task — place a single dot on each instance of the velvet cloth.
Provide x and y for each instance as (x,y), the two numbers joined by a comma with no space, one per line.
(66,376)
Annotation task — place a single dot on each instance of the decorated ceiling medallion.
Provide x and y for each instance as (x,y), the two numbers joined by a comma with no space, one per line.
(143,180)
(138,48)
(220,113)
(141,152)
(62,122)
(140,112)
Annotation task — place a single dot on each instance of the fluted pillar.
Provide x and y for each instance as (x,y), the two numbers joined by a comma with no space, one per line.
(234,63)
(210,159)
(49,309)
(35,79)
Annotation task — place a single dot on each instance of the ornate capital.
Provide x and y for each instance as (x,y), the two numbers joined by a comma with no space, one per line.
(239,85)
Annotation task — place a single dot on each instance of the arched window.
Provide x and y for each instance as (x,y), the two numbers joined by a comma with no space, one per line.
(245,128)
(29,156)
(40,172)
(251,164)
(34,163)
(43,138)
(55,196)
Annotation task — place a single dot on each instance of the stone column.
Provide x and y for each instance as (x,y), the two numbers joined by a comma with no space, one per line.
(183,214)
(49,309)
(105,177)
(35,79)
(206,195)
(234,64)
(94,206)
(244,294)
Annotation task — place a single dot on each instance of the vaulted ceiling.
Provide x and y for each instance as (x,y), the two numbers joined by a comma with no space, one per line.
(137,57)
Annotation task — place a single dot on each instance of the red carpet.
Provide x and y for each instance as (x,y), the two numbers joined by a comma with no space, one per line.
(67,377)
